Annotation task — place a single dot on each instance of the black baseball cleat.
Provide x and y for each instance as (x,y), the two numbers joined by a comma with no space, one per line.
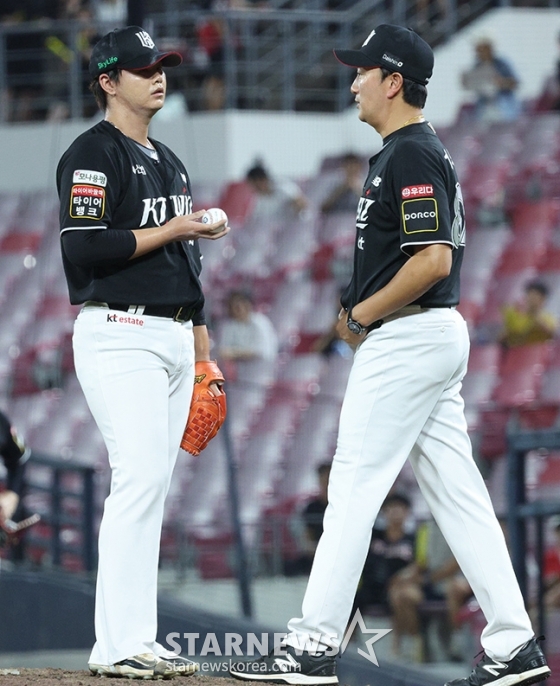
(288,668)
(527,667)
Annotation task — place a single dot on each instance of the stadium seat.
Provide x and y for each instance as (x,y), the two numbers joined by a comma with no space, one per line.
(480,381)
(288,309)
(521,371)
(528,216)
(492,432)
(336,229)
(237,201)
(300,375)
(214,555)
(483,251)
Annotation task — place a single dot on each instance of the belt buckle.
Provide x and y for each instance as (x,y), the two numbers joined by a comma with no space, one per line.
(178,314)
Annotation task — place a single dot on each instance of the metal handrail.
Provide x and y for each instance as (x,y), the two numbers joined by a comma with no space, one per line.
(269,55)
(56,518)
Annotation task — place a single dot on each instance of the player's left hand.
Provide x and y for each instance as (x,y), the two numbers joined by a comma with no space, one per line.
(344,332)
(8,504)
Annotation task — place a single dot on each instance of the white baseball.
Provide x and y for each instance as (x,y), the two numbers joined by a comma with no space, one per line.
(213,215)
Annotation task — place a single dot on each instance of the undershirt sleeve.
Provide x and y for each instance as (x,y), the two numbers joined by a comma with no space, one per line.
(91,247)
(199,318)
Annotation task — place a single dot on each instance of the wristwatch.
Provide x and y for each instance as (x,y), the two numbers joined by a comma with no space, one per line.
(359,329)
(355,327)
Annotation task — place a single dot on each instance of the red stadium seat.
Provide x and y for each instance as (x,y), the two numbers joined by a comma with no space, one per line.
(528,215)
(492,432)
(237,202)
(520,374)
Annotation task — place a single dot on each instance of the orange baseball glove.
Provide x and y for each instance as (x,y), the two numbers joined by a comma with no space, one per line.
(208,411)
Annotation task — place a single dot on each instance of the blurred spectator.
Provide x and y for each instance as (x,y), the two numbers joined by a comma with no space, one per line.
(309,527)
(528,322)
(430,13)
(491,210)
(345,195)
(62,54)
(14,455)
(111,12)
(493,81)
(551,571)
(391,550)
(246,334)
(276,199)
(435,575)
(210,35)
(554,84)
(24,64)
(330,343)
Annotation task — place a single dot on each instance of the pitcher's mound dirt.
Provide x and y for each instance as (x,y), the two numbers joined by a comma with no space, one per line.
(62,677)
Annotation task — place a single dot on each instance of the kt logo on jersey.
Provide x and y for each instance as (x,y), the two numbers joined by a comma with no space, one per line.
(155,209)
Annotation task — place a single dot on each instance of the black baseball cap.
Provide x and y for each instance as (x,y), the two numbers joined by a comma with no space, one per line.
(395,48)
(129,48)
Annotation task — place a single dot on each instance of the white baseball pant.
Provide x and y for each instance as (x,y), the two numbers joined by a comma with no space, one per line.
(403,400)
(137,373)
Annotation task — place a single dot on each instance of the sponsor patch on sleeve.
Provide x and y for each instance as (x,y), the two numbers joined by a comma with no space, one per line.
(423,191)
(88,176)
(87,202)
(420,215)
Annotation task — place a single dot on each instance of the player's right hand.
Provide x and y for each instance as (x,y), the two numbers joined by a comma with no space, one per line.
(190,228)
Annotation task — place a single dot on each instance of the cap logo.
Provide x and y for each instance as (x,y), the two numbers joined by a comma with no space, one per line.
(367,40)
(146,40)
(392,60)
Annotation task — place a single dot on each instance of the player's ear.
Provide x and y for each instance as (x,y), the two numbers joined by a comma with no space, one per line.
(395,82)
(108,85)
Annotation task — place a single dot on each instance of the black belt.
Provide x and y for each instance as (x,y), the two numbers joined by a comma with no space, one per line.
(178,314)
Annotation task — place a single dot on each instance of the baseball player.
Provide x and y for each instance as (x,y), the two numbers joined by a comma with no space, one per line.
(14,455)
(131,256)
(403,395)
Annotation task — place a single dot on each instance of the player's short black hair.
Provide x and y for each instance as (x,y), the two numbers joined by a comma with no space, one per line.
(397,499)
(537,285)
(240,294)
(98,93)
(414,94)
(350,157)
(257,172)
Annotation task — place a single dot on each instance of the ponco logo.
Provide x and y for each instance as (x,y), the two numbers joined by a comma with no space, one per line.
(419,215)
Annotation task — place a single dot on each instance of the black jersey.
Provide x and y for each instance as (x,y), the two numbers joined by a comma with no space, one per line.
(106,181)
(411,197)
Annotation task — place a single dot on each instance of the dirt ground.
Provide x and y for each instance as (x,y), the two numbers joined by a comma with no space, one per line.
(61,677)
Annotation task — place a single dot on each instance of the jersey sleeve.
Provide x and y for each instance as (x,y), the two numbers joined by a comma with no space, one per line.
(420,185)
(88,184)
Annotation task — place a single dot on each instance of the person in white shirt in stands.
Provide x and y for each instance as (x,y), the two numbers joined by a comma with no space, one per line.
(245,334)
(276,199)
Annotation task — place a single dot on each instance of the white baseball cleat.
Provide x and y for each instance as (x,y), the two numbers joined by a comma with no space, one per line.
(179,666)
(143,666)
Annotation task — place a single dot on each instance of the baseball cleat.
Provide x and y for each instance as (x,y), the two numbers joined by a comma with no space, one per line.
(179,666)
(288,668)
(143,666)
(527,667)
